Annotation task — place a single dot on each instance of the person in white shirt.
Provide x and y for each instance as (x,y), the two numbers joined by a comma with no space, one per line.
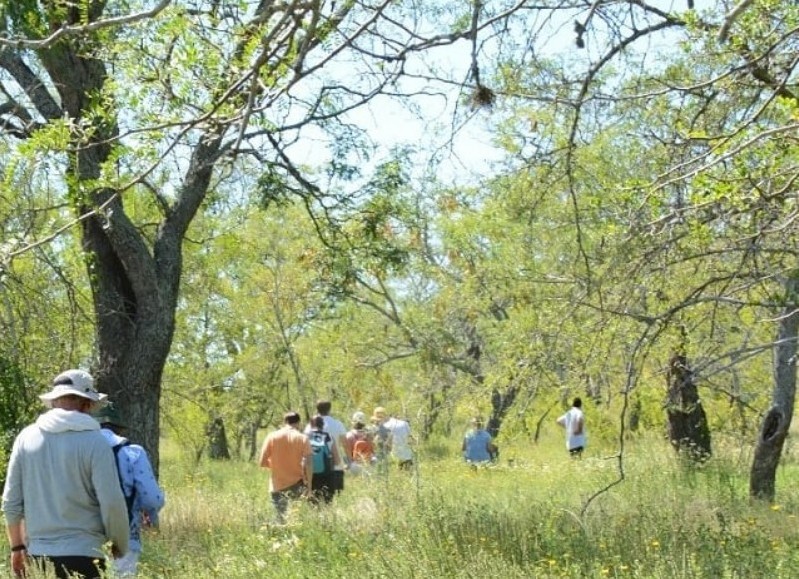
(338,432)
(574,424)
(399,441)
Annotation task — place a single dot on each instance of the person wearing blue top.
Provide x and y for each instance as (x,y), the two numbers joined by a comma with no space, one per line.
(143,494)
(477,445)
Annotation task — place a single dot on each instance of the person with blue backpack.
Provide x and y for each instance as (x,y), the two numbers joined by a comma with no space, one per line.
(325,456)
(338,432)
(143,495)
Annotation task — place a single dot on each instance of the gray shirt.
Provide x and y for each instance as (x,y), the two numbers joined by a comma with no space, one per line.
(62,481)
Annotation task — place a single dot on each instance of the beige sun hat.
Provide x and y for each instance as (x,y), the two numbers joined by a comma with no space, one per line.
(73,383)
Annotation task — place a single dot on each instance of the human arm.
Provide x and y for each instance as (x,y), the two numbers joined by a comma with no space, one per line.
(489,445)
(308,468)
(578,425)
(263,458)
(19,552)
(340,454)
(336,454)
(150,497)
(13,509)
(349,445)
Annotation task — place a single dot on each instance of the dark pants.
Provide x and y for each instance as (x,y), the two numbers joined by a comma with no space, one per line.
(322,486)
(337,481)
(282,497)
(70,567)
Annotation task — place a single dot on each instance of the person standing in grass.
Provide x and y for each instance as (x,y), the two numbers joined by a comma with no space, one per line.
(287,454)
(399,441)
(573,422)
(338,432)
(380,437)
(62,500)
(359,445)
(144,497)
(477,444)
(326,454)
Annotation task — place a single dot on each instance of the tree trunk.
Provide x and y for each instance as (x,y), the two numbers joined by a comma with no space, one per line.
(217,440)
(539,424)
(689,432)
(635,415)
(778,419)
(500,404)
(134,278)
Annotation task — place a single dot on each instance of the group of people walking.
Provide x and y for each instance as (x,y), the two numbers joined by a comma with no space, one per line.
(74,483)
(310,463)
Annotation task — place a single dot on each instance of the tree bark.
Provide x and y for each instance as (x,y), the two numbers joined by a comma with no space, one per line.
(501,402)
(777,420)
(689,432)
(135,282)
(217,440)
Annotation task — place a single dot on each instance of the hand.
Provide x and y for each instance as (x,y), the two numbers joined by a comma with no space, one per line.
(18,561)
(146,521)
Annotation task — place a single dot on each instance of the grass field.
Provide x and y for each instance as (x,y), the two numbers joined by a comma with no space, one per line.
(525,518)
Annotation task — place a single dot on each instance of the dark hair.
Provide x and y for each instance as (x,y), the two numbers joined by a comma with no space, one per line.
(577,402)
(318,422)
(291,418)
(323,407)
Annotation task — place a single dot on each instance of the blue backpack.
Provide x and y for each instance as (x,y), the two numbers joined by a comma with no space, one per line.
(322,457)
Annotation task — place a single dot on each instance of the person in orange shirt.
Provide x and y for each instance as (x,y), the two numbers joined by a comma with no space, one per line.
(287,454)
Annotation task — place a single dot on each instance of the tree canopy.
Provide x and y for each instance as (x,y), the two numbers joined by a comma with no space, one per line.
(248,245)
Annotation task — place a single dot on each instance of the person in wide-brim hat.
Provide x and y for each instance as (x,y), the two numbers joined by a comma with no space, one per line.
(73,383)
(62,500)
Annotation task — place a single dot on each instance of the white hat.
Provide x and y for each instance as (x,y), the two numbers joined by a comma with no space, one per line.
(72,383)
(359,418)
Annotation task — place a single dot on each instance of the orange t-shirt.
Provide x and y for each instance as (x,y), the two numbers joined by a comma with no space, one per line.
(284,453)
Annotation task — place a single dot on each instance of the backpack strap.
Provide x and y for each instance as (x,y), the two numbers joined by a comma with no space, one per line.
(128,499)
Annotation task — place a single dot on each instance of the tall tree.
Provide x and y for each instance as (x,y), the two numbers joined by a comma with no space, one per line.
(154,107)
(710,209)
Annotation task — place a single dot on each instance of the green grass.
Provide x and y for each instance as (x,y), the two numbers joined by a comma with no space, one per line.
(519,521)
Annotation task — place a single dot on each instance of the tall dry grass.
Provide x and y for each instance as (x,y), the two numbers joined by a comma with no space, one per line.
(519,520)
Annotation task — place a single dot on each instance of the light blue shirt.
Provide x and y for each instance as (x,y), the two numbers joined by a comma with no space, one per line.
(477,442)
(137,474)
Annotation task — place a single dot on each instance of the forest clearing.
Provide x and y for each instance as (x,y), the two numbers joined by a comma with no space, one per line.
(518,520)
(223,211)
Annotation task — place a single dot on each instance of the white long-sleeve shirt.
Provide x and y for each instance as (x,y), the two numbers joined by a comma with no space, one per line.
(569,421)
